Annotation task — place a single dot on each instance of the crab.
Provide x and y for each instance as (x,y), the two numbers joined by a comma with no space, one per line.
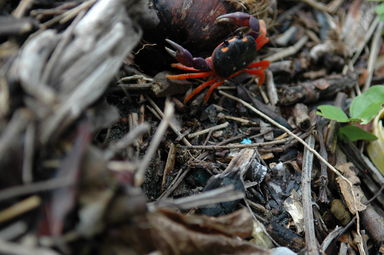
(229,59)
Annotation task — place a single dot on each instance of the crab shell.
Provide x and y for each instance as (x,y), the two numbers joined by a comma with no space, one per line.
(233,55)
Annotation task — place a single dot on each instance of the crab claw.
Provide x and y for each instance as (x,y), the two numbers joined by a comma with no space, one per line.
(182,55)
(244,20)
(185,57)
(259,29)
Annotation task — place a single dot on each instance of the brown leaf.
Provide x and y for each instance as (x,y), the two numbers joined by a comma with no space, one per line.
(345,188)
(175,233)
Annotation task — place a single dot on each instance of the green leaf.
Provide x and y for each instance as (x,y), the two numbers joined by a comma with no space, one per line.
(369,113)
(366,106)
(333,113)
(353,133)
(380,10)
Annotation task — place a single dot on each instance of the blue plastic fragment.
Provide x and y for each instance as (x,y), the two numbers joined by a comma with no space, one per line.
(246,141)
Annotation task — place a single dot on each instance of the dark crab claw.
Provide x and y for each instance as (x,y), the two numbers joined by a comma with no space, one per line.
(181,54)
(185,57)
(244,20)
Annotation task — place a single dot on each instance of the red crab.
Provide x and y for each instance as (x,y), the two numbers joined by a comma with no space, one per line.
(230,58)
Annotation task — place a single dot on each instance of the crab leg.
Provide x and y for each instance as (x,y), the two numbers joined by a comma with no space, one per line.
(199,89)
(264,64)
(258,73)
(183,67)
(189,75)
(260,41)
(211,89)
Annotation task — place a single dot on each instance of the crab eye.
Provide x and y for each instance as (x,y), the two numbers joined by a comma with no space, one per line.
(226,43)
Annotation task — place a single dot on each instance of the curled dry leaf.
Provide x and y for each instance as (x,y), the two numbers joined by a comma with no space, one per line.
(353,204)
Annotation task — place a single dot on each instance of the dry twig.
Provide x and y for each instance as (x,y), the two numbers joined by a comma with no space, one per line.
(171,124)
(306,176)
(289,50)
(207,130)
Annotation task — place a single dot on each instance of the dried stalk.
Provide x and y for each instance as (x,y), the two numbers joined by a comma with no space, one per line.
(289,50)
(233,146)
(22,8)
(29,151)
(309,228)
(20,249)
(374,52)
(12,132)
(100,41)
(19,208)
(126,141)
(219,195)
(207,130)
(331,7)
(157,137)
(173,126)
(35,187)
(271,89)
(323,168)
(330,237)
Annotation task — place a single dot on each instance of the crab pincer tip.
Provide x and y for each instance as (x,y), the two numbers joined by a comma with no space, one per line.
(174,45)
(221,19)
(170,52)
(230,17)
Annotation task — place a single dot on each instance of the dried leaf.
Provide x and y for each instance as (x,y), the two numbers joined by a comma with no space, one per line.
(259,236)
(295,208)
(340,212)
(357,23)
(345,188)
(175,233)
